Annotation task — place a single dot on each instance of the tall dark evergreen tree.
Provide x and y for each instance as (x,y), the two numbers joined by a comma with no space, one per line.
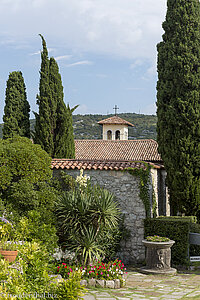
(178,104)
(53,129)
(17,108)
(70,133)
(43,125)
(63,136)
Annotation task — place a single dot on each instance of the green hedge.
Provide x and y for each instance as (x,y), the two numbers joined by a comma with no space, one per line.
(177,229)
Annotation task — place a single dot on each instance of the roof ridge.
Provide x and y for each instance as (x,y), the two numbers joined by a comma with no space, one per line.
(117,141)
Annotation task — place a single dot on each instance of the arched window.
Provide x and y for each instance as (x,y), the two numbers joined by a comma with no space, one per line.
(117,135)
(109,135)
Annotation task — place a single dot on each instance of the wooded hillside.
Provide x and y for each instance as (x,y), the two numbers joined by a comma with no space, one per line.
(86,126)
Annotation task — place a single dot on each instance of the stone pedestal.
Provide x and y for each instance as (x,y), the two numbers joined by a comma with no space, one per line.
(158,258)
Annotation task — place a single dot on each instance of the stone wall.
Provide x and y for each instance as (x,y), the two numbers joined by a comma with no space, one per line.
(126,189)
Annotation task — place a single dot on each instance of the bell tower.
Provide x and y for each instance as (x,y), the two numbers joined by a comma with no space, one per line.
(115,128)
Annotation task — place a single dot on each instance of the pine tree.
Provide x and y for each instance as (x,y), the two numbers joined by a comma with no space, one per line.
(178,104)
(63,134)
(44,124)
(17,108)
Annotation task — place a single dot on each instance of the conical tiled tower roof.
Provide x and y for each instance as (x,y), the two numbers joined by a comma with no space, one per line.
(115,120)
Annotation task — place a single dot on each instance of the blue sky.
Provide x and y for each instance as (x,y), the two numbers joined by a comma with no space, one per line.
(105,49)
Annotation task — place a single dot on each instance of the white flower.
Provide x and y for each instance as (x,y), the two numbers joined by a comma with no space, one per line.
(82,180)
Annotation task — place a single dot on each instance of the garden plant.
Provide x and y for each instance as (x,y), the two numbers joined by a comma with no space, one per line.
(89,217)
(32,209)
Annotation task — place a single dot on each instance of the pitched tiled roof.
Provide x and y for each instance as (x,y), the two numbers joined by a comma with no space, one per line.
(97,165)
(131,150)
(115,120)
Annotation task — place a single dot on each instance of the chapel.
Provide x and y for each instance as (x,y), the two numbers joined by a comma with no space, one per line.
(108,162)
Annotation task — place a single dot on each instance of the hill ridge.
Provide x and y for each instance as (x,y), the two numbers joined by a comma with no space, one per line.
(87,127)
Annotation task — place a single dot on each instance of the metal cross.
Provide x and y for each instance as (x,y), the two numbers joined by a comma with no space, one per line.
(115,108)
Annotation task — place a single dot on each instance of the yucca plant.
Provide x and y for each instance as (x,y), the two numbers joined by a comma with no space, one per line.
(84,215)
(85,245)
(104,210)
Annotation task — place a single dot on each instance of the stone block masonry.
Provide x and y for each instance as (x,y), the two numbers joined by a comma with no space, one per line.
(125,187)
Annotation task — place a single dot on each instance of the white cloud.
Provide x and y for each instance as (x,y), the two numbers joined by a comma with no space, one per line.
(122,28)
(63,57)
(80,63)
(35,53)
(39,52)
(137,63)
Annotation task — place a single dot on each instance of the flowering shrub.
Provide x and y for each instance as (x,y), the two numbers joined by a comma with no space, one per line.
(6,233)
(157,238)
(82,180)
(99,270)
(64,270)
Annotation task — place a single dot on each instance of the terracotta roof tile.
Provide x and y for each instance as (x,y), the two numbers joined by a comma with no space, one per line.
(133,150)
(96,165)
(99,165)
(115,120)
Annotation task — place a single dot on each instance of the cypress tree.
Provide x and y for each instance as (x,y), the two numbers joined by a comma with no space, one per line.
(44,125)
(17,108)
(53,129)
(70,153)
(63,133)
(178,104)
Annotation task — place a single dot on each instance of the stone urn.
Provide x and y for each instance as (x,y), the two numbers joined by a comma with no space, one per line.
(158,257)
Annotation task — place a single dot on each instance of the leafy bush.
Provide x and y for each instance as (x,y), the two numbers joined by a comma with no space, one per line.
(6,232)
(25,176)
(86,215)
(28,278)
(33,228)
(34,260)
(70,289)
(29,274)
(25,189)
